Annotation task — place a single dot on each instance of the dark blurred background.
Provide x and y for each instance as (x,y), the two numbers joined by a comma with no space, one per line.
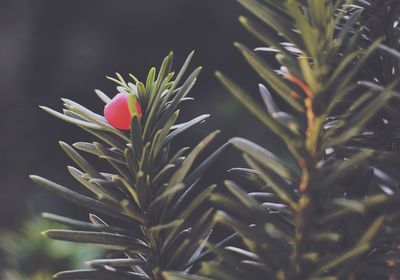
(61,48)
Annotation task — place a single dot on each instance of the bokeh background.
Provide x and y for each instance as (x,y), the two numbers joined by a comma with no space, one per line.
(63,48)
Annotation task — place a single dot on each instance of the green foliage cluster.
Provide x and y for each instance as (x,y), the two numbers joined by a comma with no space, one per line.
(150,188)
(333,213)
(328,208)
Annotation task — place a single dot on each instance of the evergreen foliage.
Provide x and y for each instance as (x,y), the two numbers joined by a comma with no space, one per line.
(150,196)
(325,208)
(331,210)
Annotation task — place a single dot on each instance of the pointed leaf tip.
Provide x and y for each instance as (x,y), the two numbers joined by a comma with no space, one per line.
(62,143)
(34,177)
(238,45)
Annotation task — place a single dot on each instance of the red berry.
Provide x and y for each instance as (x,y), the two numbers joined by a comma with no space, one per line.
(117,112)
